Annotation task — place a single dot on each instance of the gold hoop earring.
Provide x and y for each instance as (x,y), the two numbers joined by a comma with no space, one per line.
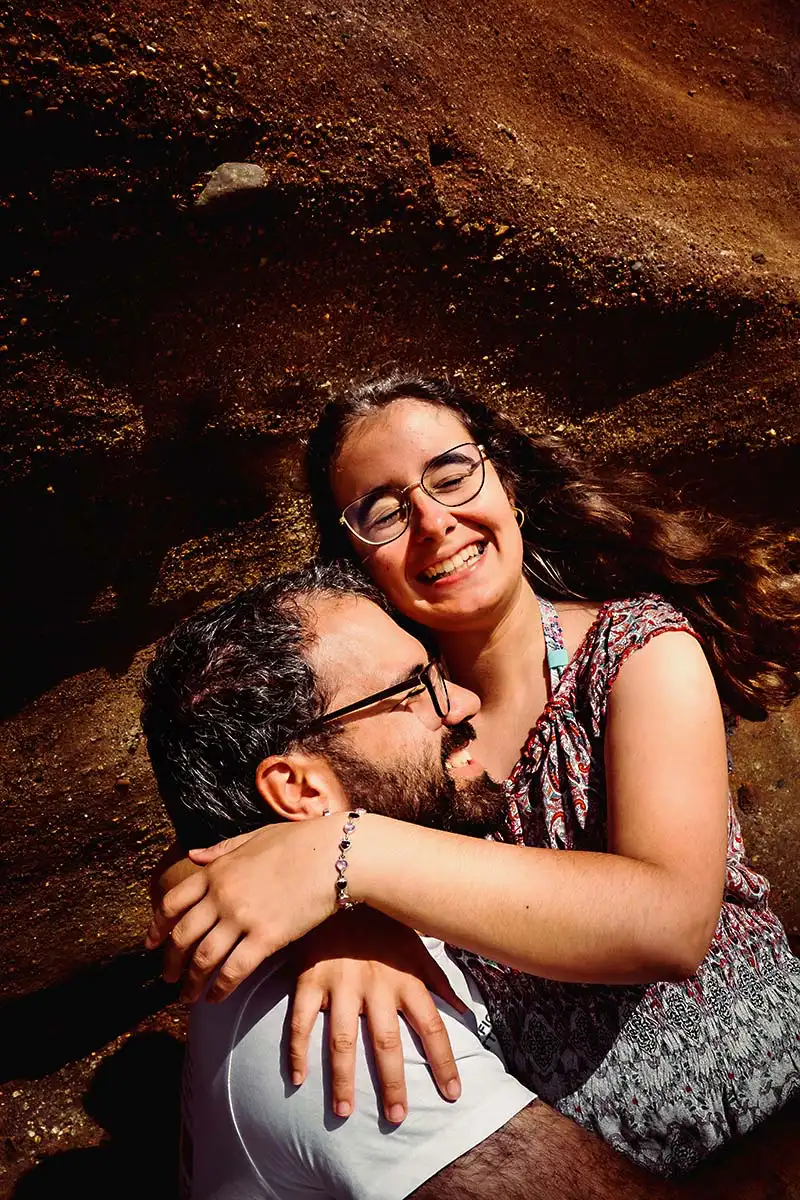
(519,515)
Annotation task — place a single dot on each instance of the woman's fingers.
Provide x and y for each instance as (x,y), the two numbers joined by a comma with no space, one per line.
(208,955)
(309,1000)
(387,1047)
(419,1009)
(423,1016)
(174,904)
(248,954)
(208,854)
(343,1040)
(187,933)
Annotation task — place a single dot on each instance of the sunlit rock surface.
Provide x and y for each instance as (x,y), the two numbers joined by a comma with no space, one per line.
(588,212)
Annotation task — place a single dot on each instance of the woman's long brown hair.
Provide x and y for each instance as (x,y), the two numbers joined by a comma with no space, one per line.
(598,534)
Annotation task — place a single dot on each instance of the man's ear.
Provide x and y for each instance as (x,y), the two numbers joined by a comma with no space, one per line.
(299,786)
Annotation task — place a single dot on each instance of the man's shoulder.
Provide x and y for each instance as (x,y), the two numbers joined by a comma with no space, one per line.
(235,1087)
(252,1127)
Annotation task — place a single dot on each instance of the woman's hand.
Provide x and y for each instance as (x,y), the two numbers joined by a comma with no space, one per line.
(363,962)
(173,868)
(254,895)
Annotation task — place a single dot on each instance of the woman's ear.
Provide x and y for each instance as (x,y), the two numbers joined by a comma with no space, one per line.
(509,491)
(299,786)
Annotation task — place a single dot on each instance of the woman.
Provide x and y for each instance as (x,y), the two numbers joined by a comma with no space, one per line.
(601,631)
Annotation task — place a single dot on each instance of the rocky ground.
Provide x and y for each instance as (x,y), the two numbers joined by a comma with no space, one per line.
(589,212)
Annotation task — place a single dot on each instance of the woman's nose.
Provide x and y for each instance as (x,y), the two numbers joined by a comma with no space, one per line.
(464,704)
(428,517)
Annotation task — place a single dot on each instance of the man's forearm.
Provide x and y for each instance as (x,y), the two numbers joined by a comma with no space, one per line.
(540,1155)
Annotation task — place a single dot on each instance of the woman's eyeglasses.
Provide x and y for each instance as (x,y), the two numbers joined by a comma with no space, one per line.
(453,478)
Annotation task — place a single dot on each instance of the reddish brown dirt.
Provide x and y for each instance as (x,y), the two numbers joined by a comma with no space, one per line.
(589,211)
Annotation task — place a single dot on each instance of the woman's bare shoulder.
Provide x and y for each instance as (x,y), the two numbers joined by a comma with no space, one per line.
(576,618)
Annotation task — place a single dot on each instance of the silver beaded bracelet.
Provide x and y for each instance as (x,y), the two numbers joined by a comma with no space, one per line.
(343,899)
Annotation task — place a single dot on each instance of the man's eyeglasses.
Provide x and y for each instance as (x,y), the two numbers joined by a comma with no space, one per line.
(453,478)
(430,678)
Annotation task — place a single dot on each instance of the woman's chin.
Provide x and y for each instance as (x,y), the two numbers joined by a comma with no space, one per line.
(461,607)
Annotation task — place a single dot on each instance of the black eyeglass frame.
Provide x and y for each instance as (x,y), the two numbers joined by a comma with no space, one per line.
(419,680)
(403,494)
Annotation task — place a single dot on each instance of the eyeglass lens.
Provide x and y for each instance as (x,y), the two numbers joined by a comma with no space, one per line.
(438,690)
(452,478)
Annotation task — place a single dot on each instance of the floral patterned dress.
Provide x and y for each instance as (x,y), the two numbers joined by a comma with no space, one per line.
(667,1072)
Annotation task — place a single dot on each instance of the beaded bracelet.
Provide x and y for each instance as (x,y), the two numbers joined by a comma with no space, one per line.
(343,899)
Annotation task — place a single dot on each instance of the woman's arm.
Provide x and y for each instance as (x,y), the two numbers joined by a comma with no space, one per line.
(645,910)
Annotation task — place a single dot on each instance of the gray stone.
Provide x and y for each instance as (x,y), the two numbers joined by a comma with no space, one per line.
(230,179)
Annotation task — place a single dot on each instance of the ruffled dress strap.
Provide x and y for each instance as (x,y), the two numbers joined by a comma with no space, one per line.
(557,656)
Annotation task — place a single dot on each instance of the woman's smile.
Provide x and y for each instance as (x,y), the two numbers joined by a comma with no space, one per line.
(452,569)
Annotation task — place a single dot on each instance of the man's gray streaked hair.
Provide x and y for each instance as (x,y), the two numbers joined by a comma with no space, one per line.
(231,686)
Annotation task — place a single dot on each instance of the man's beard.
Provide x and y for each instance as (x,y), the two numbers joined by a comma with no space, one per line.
(424,792)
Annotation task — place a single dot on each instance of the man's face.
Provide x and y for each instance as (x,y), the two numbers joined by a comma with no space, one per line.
(397,757)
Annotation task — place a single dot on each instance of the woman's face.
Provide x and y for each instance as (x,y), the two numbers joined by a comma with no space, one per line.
(453,568)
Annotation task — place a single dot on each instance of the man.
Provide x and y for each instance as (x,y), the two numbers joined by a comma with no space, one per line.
(235,707)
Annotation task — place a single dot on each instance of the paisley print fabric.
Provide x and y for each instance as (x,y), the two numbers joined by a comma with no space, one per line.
(666,1073)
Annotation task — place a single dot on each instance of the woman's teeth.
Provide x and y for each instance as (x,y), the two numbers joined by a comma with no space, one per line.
(448,565)
(461,758)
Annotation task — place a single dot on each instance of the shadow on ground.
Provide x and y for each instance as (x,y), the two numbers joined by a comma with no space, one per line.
(134,1095)
(76,1016)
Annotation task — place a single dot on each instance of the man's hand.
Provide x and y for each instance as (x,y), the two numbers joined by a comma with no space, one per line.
(363,962)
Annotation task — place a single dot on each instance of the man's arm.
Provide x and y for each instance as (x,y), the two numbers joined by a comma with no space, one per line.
(540,1154)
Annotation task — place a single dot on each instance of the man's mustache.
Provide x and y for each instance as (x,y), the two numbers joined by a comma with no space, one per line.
(455,737)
